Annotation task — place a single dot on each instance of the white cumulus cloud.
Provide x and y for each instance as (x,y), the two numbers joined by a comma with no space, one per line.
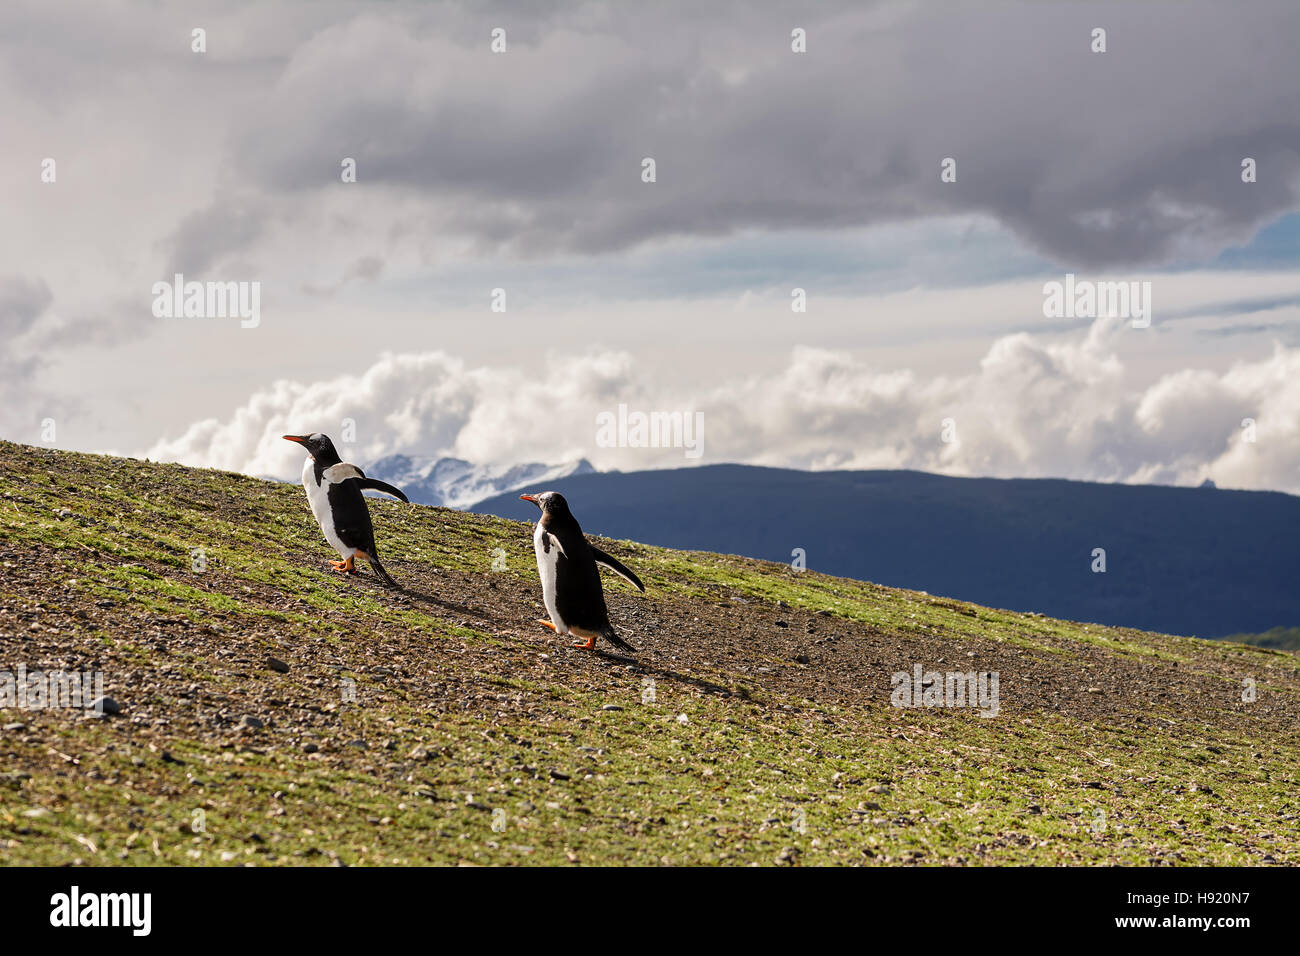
(1035,406)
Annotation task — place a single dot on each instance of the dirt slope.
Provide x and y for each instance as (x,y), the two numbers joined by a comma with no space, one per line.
(274,712)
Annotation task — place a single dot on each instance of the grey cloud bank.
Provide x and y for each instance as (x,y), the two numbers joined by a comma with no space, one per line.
(1096,159)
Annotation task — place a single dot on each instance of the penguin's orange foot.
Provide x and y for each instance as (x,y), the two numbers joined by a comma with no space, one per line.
(591,642)
(337,565)
(345,566)
(548,624)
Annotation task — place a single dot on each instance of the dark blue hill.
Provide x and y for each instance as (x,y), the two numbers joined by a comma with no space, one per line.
(1197,561)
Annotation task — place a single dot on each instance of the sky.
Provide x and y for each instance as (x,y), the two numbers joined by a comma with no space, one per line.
(920,171)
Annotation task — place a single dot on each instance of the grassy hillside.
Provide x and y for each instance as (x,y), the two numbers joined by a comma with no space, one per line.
(473,735)
(1279,638)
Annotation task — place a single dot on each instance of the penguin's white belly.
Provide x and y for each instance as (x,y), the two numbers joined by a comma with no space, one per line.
(319,499)
(547,565)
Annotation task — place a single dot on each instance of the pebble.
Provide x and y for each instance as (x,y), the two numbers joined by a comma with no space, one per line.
(250,723)
(105,705)
(277,665)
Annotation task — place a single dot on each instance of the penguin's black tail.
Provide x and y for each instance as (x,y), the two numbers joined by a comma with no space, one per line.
(380,572)
(617,641)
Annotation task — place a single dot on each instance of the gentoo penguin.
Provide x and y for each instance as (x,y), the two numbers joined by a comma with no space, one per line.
(334,491)
(566,562)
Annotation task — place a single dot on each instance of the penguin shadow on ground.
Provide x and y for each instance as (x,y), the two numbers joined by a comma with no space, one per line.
(420,597)
(613,657)
(664,673)
(405,591)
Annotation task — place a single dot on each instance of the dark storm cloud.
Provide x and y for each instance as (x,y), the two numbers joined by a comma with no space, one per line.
(32,329)
(22,302)
(33,334)
(1096,159)
(206,235)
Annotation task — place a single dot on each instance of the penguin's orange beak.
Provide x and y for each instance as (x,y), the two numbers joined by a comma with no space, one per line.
(532,498)
(300,439)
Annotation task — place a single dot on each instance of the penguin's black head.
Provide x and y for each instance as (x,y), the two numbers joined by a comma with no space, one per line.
(318,446)
(551,503)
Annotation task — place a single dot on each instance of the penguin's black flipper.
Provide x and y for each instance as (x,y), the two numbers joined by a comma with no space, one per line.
(375,484)
(617,567)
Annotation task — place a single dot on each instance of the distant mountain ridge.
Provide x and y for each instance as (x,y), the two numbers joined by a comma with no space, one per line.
(1203,561)
(456,483)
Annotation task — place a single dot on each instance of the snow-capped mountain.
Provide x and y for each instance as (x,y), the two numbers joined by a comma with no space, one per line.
(455,483)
